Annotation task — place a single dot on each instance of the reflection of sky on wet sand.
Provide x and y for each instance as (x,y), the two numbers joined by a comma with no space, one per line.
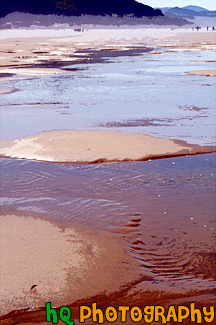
(148,87)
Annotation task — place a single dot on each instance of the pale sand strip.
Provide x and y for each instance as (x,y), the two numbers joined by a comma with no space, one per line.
(5,79)
(207,73)
(94,146)
(42,261)
(7,91)
(33,71)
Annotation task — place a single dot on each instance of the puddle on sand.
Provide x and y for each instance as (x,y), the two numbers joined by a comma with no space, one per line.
(150,93)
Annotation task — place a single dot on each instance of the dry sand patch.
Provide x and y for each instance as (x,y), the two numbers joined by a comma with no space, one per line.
(88,146)
(207,73)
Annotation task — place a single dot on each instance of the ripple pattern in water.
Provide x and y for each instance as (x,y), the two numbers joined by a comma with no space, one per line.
(164,210)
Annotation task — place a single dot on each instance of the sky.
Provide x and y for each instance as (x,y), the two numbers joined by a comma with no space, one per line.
(208,4)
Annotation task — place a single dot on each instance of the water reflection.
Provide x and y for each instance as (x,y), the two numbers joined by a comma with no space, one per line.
(145,88)
(164,210)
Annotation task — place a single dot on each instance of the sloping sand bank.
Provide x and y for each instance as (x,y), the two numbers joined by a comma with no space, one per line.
(43,261)
(95,146)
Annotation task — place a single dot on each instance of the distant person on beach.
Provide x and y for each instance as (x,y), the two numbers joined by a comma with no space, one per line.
(207,28)
(213,28)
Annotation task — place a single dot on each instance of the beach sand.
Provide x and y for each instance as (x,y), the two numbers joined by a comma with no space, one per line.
(29,51)
(44,261)
(32,71)
(207,73)
(155,209)
(4,91)
(91,146)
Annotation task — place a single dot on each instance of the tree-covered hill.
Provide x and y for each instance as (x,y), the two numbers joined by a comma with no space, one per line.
(188,12)
(78,7)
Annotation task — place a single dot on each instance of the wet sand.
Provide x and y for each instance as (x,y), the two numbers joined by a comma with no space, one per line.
(43,52)
(92,146)
(46,261)
(149,213)
(34,49)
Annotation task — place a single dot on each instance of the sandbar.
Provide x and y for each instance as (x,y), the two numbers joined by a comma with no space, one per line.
(207,73)
(35,71)
(7,91)
(94,146)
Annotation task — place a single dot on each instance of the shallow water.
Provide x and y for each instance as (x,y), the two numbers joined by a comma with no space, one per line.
(164,211)
(148,93)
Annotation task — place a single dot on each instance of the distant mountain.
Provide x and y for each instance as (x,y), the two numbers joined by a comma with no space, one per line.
(195,8)
(79,7)
(185,12)
(23,20)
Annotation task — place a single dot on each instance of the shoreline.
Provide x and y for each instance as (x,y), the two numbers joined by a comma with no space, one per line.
(151,292)
(47,51)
